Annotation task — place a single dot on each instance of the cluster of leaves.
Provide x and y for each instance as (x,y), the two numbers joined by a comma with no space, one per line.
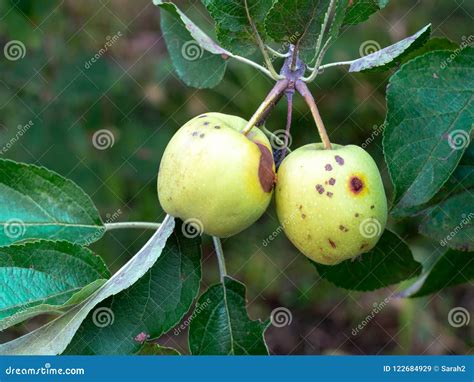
(46,267)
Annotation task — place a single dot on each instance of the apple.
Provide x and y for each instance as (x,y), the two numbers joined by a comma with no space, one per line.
(331,203)
(215,176)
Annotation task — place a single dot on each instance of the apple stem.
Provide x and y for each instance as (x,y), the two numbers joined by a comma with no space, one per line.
(267,105)
(289,99)
(308,97)
(220,257)
(142,225)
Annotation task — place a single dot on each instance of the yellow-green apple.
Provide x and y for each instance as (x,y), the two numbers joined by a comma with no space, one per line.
(215,176)
(331,203)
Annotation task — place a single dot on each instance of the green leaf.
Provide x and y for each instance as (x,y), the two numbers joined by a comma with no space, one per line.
(299,22)
(435,43)
(222,326)
(389,262)
(388,57)
(46,277)
(338,18)
(451,222)
(198,60)
(233,28)
(155,349)
(429,122)
(54,337)
(452,268)
(361,10)
(152,306)
(40,204)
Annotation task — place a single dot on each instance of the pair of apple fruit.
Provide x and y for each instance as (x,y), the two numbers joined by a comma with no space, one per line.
(331,203)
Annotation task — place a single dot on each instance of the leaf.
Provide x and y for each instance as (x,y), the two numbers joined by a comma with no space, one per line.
(388,57)
(54,337)
(155,349)
(40,204)
(452,268)
(299,22)
(152,306)
(435,43)
(198,60)
(428,126)
(451,222)
(389,262)
(222,326)
(233,28)
(338,18)
(361,10)
(46,277)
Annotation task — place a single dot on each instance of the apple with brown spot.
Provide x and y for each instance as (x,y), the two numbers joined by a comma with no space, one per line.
(212,173)
(331,203)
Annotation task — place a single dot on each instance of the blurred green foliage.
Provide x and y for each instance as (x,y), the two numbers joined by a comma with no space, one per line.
(132,91)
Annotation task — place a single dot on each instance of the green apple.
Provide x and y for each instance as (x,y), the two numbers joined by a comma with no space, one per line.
(215,176)
(331,203)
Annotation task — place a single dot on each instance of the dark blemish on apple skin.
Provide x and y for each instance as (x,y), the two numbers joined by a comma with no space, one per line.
(328,167)
(217,127)
(356,215)
(309,237)
(303,216)
(343,229)
(339,160)
(333,244)
(319,188)
(266,175)
(330,194)
(365,245)
(372,207)
(332,181)
(194,133)
(202,116)
(356,185)
(206,123)
(202,136)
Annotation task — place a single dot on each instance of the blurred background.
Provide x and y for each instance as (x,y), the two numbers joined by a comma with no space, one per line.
(132,97)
